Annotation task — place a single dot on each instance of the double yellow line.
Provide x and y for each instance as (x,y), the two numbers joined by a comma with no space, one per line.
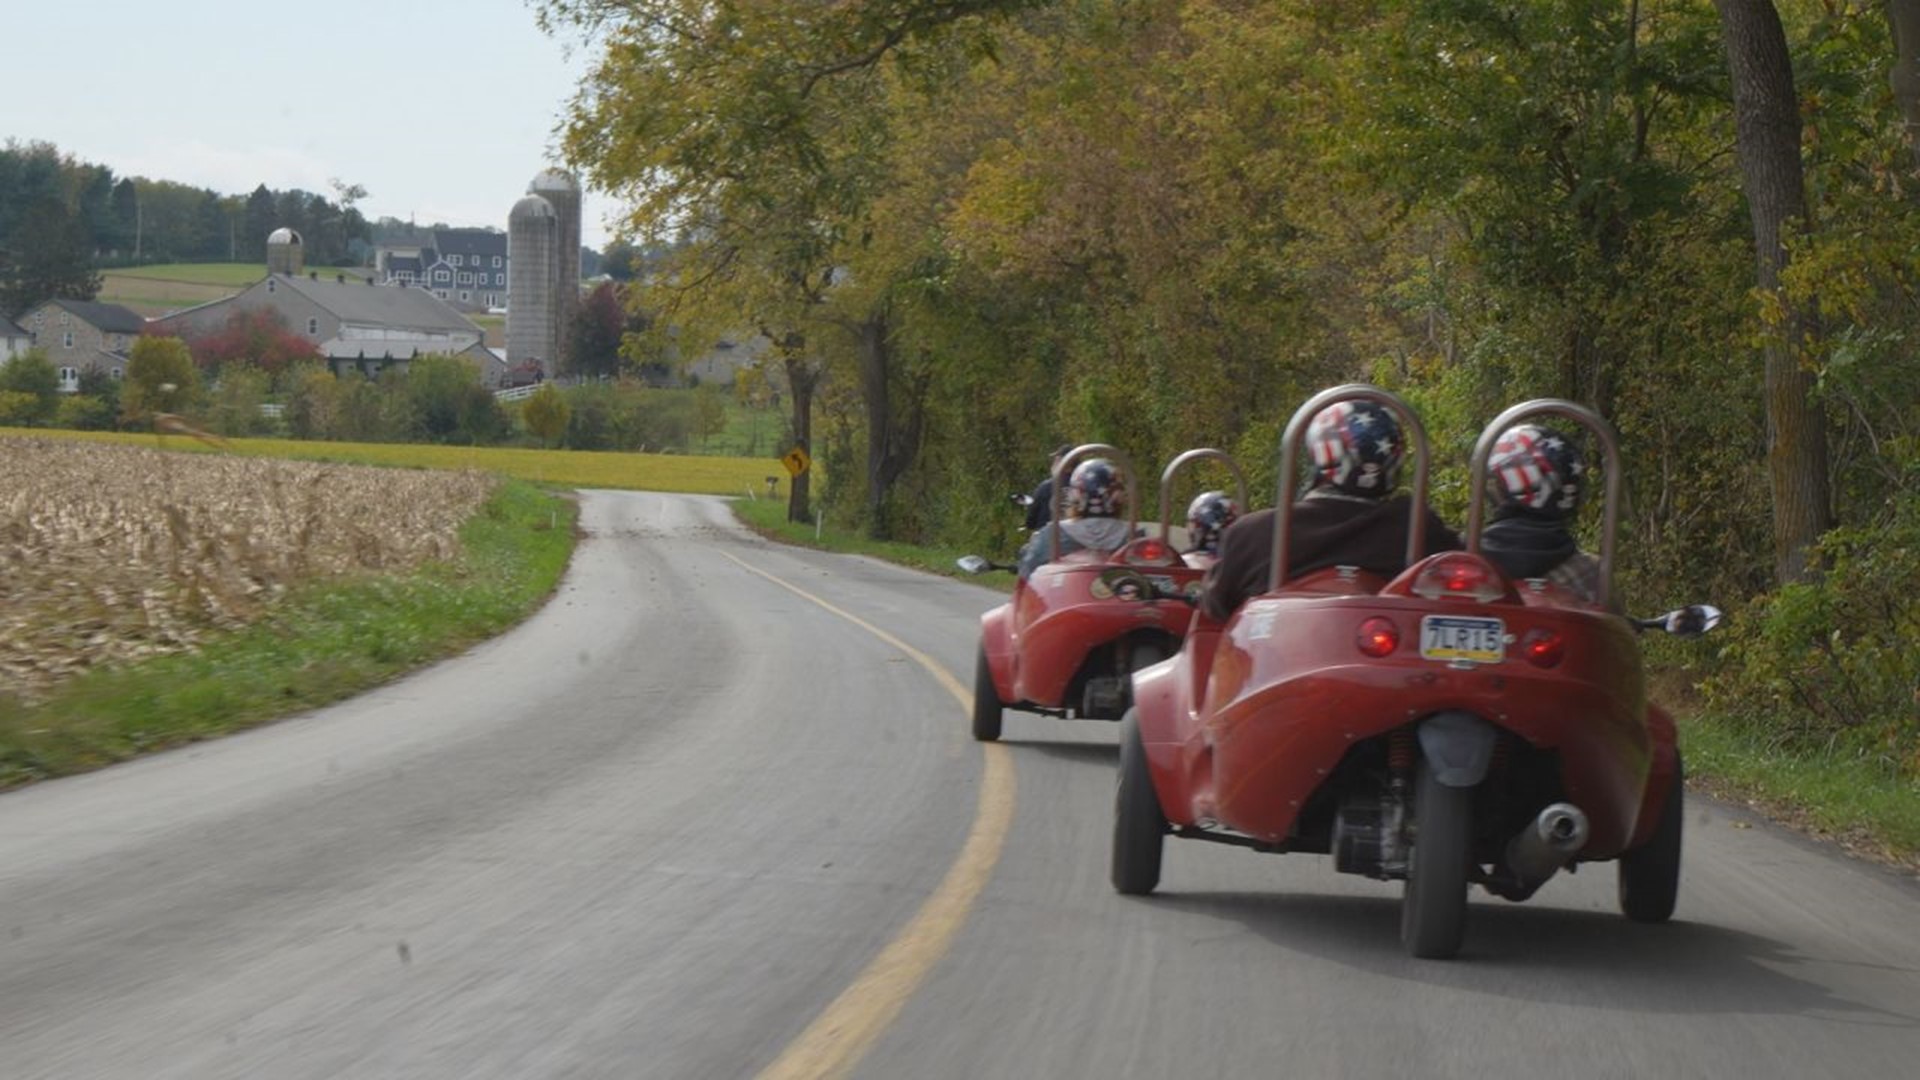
(848,1027)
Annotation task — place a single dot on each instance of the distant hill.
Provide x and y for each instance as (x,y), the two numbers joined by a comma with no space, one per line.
(163,289)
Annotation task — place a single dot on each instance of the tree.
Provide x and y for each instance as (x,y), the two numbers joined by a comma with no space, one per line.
(32,376)
(258,225)
(1767,135)
(546,414)
(161,378)
(257,336)
(48,256)
(594,334)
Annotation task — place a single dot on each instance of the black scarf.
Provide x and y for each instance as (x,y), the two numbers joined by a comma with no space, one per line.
(1524,546)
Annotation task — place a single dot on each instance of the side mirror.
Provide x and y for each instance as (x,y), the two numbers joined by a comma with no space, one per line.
(1020,498)
(1692,620)
(973,564)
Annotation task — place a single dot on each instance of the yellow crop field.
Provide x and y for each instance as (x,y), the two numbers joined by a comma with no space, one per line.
(111,553)
(564,468)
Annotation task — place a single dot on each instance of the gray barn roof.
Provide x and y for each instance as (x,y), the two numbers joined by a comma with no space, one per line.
(469,242)
(382,305)
(8,329)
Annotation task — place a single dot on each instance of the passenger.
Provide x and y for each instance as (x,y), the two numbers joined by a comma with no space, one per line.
(1040,503)
(1207,518)
(1350,517)
(1535,476)
(1096,502)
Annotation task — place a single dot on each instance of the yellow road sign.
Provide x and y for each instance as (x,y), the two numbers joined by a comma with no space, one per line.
(797,461)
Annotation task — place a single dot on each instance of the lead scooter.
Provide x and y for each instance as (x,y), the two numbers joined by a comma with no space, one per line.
(1446,728)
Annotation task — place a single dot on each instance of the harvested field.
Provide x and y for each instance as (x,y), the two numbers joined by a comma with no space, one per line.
(113,553)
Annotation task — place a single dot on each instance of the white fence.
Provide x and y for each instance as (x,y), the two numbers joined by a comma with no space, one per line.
(517,393)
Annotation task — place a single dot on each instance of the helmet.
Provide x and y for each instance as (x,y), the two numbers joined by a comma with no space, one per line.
(1356,447)
(1207,517)
(1535,468)
(1096,490)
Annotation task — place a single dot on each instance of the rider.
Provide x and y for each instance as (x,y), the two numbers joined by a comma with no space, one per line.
(1207,518)
(1349,517)
(1096,500)
(1535,475)
(1040,503)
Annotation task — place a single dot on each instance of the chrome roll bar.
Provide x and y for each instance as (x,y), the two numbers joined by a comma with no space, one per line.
(1181,462)
(1063,471)
(1602,433)
(1411,429)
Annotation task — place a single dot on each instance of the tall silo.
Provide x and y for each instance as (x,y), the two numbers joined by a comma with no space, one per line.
(285,253)
(533,246)
(563,191)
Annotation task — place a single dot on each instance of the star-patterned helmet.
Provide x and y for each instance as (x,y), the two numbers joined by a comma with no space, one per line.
(1536,468)
(1207,517)
(1096,490)
(1356,448)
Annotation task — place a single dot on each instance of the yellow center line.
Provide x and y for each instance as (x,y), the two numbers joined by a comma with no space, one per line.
(848,1027)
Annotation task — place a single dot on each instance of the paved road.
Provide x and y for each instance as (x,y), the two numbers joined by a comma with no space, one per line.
(659,828)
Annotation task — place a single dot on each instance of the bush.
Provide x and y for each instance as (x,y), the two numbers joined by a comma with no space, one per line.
(1835,664)
(84,412)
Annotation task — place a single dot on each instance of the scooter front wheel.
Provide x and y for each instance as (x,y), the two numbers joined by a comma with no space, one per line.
(1433,911)
(1650,873)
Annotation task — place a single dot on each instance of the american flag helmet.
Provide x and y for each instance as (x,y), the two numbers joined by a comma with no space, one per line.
(1096,490)
(1356,448)
(1207,517)
(1536,468)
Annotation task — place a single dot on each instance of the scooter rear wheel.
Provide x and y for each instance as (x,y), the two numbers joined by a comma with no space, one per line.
(1650,873)
(1139,825)
(1433,911)
(986,701)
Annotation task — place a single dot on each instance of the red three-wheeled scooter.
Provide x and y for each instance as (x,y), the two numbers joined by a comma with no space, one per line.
(1446,728)
(1074,631)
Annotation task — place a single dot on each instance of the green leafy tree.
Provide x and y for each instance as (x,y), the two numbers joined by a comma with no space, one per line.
(32,376)
(234,405)
(161,378)
(546,414)
(47,256)
(84,412)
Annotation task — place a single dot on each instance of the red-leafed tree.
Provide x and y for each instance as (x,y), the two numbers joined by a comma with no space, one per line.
(258,336)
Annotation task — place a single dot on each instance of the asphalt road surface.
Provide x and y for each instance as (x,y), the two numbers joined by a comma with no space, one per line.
(689,822)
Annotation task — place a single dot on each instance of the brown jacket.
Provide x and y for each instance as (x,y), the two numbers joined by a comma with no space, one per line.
(1329,529)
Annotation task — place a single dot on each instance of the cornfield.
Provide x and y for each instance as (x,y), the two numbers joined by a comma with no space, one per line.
(114,553)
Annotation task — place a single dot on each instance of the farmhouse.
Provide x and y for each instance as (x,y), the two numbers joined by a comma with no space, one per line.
(465,267)
(79,335)
(357,326)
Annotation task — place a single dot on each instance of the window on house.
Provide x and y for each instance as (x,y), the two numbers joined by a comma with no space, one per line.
(442,276)
(496,260)
(119,373)
(313,327)
(66,319)
(269,284)
(465,296)
(454,259)
(66,339)
(69,377)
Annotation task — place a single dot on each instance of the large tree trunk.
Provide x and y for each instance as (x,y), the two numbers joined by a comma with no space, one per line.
(802,376)
(893,435)
(1903,17)
(1767,133)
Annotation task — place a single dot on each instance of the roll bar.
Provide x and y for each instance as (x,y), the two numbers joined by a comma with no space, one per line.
(1063,471)
(1289,463)
(1602,433)
(1181,462)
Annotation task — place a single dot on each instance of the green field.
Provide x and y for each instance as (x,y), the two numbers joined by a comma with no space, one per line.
(232,275)
(562,468)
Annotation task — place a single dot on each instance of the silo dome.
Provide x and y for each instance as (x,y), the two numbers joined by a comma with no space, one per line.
(528,208)
(285,253)
(554,180)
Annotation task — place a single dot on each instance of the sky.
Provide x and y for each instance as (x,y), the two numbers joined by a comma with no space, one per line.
(442,109)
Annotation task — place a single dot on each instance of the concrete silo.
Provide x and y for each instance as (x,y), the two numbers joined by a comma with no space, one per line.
(561,190)
(285,253)
(533,248)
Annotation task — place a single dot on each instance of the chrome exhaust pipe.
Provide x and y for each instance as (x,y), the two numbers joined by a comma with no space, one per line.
(1546,845)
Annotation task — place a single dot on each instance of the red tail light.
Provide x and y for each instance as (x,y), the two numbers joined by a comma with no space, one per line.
(1377,636)
(1148,553)
(1542,648)
(1461,576)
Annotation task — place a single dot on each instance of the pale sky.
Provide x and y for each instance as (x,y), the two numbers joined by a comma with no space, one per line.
(442,109)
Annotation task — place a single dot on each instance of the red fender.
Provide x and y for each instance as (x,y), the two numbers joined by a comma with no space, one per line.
(996,639)
(1660,775)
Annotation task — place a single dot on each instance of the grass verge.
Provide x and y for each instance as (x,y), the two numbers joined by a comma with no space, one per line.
(1834,796)
(323,642)
(768,517)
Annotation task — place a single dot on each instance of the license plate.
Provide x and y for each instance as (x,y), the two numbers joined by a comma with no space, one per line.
(1461,637)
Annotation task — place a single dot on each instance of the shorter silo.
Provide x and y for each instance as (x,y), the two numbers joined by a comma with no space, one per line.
(533,240)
